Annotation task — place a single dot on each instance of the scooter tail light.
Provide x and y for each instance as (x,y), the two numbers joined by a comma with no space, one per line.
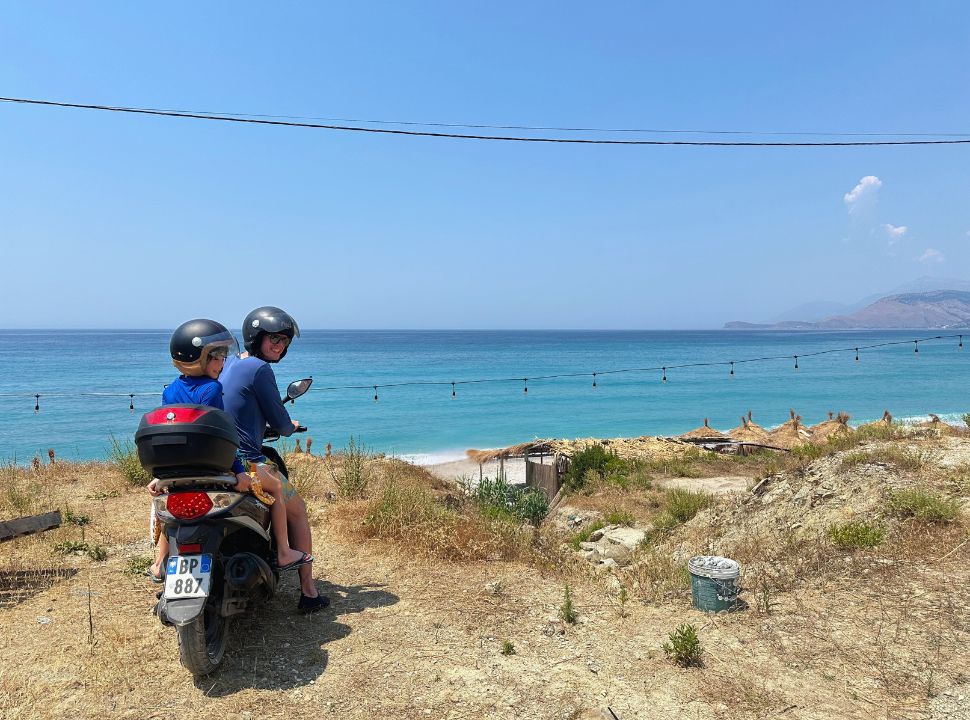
(190,549)
(188,505)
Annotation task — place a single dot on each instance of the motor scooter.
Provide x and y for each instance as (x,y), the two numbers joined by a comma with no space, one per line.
(222,559)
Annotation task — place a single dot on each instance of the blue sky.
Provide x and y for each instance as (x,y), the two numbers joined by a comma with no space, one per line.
(122,221)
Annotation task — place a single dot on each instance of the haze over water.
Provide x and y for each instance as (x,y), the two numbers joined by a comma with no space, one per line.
(426,420)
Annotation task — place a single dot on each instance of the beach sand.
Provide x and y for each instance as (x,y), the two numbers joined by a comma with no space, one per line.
(469,470)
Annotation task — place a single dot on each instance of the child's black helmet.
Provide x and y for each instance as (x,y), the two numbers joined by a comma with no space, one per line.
(192,342)
(267,321)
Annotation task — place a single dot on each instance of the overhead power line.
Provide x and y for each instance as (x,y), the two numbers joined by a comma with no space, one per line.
(255,120)
(645,131)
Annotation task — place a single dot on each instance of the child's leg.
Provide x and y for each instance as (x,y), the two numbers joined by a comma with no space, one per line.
(271,484)
(161,552)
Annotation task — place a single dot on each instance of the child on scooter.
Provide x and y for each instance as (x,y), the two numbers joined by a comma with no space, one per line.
(199,349)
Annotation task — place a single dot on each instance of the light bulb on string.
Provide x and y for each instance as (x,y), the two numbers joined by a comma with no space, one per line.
(36,403)
(857,354)
(525,386)
(375,393)
(796,362)
(960,346)
(732,369)
(453,394)
(916,346)
(664,378)
(131,402)
(594,380)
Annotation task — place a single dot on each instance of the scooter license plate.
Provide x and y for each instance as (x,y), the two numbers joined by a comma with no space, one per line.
(188,576)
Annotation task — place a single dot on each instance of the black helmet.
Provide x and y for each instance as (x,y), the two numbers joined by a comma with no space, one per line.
(193,341)
(267,321)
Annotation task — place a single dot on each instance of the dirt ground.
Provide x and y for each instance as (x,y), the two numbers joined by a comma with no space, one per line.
(422,638)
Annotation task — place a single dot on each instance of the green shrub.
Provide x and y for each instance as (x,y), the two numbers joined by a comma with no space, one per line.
(124,456)
(507,648)
(590,464)
(966,419)
(856,535)
(923,505)
(567,611)
(498,499)
(684,648)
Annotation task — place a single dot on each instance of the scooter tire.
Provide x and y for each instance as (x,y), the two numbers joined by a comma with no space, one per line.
(202,643)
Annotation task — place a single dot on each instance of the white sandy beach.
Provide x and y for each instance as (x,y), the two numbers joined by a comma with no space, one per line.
(469,470)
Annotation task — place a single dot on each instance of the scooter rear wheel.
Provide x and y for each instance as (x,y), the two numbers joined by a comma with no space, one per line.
(202,643)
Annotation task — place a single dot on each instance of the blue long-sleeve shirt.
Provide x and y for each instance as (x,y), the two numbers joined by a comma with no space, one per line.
(204,390)
(253,400)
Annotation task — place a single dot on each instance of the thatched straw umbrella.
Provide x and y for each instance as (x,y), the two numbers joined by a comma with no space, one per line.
(789,434)
(885,421)
(837,425)
(704,431)
(938,426)
(748,431)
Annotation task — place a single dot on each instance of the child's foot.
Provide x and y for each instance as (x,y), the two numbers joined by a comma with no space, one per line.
(293,559)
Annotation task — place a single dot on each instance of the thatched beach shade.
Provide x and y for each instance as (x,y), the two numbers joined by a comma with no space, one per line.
(748,431)
(837,425)
(704,431)
(936,424)
(789,434)
(885,421)
(484,456)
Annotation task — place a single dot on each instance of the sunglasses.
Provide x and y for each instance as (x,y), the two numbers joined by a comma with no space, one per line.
(277,339)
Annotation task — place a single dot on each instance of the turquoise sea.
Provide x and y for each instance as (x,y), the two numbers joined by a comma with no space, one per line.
(425,420)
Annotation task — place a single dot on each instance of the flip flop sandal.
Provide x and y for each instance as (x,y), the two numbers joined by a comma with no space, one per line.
(305,560)
(157,579)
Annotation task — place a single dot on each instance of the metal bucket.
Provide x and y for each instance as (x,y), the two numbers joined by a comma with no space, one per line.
(714,583)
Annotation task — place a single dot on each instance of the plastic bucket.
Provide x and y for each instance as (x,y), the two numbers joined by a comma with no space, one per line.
(714,583)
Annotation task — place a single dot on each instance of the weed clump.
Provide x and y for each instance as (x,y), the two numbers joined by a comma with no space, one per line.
(923,506)
(75,547)
(856,535)
(410,517)
(138,565)
(583,535)
(507,648)
(567,611)
(684,648)
(352,481)
(680,506)
(124,456)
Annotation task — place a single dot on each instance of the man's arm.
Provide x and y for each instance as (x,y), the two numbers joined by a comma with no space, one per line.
(267,394)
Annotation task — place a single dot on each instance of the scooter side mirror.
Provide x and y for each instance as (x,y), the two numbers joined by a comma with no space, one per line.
(297,388)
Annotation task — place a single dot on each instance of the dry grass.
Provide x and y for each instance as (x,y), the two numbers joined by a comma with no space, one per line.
(831,632)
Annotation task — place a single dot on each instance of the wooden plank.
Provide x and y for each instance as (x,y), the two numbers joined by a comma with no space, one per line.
(29,525)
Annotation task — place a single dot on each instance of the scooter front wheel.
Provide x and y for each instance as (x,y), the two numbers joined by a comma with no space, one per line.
(202,643)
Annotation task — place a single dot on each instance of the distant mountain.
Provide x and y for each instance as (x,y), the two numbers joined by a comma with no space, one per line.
(936,309)
(820,309)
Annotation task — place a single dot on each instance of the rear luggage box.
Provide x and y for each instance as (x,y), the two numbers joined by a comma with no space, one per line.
(186,439)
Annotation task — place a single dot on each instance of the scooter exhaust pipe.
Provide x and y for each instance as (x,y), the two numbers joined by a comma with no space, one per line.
(248,573)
